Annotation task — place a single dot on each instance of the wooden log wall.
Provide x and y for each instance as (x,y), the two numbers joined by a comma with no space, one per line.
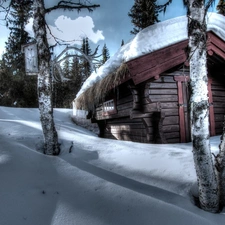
(124,102)
(159,98)
(164,91)
(218,94)
(159,103)
(120,125)
(126,129)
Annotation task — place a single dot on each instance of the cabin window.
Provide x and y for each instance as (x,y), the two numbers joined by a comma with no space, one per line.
(109,107)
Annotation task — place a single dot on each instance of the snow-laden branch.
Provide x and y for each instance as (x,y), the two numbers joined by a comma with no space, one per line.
(69,5)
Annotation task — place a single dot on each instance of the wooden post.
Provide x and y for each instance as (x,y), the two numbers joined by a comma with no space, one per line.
(179,80)
(211,109)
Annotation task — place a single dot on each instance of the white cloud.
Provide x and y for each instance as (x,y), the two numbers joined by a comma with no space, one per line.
(67,29)
(71,30)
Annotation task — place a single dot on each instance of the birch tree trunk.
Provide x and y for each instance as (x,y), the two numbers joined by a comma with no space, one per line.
(221,166)
(207,181)
(51,146)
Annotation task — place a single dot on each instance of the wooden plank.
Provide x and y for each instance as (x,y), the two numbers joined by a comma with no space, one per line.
(218,87)
(181,112)
(120,121)
(124,101)
(219,117)
(169,105)
(219,110)
(218,93)
(124,120)
(171,120)
(151,107)
(149,123)
(164,79)
(216,44)
(126,125)
(219,131)
(138,114)
(163,85)
(219,125)
(123,94)
(171,112)
(128,137)
(130,129)
(150,131)
(186,96)
(172,135)
(164,98)
(182,78)
(162,92)
(121,113)
(217,51)
(127,106)
(153,59)
(219,104)
(219,99)
(158,69)
(211,109)
(171,128)
(217,41)
(173,140)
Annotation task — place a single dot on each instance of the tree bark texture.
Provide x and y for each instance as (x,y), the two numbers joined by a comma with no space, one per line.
(51,146)
(207,182)
(221,166)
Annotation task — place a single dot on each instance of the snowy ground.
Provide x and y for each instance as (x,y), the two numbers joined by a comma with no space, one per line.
(101,182)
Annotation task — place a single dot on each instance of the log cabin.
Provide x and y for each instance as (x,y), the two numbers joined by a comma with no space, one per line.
(146,97)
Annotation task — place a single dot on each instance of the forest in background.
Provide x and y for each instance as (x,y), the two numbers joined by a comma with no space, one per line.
(20,90)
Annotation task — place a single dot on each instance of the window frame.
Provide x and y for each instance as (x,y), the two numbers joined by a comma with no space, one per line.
(112,107)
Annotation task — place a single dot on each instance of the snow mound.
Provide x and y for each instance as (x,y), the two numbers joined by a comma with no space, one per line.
(99,182)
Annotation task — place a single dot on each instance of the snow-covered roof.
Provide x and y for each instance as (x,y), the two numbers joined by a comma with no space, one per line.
(150,39)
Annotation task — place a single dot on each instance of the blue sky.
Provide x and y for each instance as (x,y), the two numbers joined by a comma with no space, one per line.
(108,24)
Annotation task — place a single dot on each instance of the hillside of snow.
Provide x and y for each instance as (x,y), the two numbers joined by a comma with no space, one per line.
(101,182)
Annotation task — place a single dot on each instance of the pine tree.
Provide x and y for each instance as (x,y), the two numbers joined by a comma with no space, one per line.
(66,67)
(221,7)
(16,21)
(5,82)
(122,42)
(85,65)
(105,54)
(143,14)
(76,72)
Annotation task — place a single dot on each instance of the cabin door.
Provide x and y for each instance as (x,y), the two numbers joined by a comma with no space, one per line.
(183,108)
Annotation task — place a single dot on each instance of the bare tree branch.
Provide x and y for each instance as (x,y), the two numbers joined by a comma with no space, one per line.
(162,8)
(69,5)
(58,40)
(208,5)
(5,9)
